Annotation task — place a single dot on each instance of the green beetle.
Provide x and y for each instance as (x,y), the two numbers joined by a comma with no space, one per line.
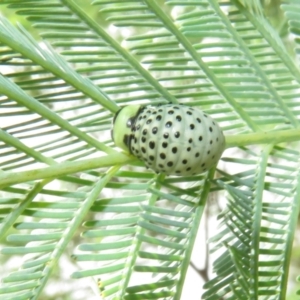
(171,139)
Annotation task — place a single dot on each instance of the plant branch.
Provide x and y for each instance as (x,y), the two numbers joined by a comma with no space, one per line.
(21,42)
(201,272)
(69,167)
(169,24)
(266,137)
(64,168)
(73,226)
(194,230)
(119,49)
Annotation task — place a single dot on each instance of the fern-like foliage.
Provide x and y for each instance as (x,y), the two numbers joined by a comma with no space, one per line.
(60,171)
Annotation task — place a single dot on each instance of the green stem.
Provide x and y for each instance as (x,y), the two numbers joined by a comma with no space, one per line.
(73,226)
(13,91)
(52,62)
(170,25)
(254,63)
(137,243)
(68,167)
(193,234)
(257,219)
(128,57)
(270,137)
(10,219)
(291,230)
(275,43)
(14,142)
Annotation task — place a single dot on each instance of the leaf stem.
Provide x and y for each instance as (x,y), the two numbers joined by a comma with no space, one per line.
(70,167)
(11,218)
(291,230)
(265,137)
(64,168)
(52,62)
(73,226)
(135,64)
(155,7)
(193,233)
(257,219)
(254,63)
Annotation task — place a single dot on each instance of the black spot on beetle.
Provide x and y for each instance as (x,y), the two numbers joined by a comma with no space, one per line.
(189,113)
(210,129)
(171,112)
(188,149)
(154,130)
(170,164)
(188,169)
(199,121)
(192,126)
(151,157)
(149,121)
(200,138)
(166,135)
(143,150)
(162,155)
(143,139)
(165,144)
(178,118)
(184,161)
(197,154)
(168,124)
(174,150)
(190,141)
(177,134)
(158,118)
(145,131)
(152,145)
